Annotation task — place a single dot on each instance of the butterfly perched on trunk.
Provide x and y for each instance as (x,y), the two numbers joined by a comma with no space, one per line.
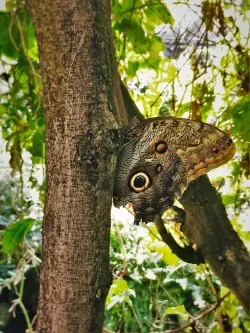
(160,156)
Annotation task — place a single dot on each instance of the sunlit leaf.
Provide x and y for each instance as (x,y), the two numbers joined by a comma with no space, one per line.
(119,286)
(176,310)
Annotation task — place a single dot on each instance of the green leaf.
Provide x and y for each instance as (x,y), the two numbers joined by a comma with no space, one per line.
(119,286)
(37,148)
(155,48)
(14,235)
(7,46)
(228,199)
(171,72)
(176,310)
(132,68)
(119,293)
(156,14)
(166,253)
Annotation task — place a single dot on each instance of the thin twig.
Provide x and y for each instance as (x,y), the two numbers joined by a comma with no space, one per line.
(200,316)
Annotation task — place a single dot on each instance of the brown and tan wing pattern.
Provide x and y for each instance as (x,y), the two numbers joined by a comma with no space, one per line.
(160,156)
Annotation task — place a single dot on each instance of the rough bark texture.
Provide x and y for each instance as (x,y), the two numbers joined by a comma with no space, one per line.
(208,227)
(81,141)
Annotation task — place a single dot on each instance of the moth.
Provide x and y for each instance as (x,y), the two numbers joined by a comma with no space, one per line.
(159,157)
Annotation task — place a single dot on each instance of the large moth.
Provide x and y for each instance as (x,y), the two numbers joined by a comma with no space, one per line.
(160,156)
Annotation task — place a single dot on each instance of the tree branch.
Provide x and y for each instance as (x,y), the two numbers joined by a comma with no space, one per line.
(121,111)
(130,106)
(208,227)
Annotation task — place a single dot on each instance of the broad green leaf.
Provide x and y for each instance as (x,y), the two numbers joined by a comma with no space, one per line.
(132,68)
(14,235)
(156,14)
(119,286)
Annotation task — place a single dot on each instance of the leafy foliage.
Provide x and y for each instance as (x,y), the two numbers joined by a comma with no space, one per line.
(152,290)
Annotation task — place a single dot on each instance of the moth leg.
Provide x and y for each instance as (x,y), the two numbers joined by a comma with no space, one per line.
(187,253)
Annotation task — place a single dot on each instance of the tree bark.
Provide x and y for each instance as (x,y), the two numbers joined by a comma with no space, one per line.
(81,142)
(208,226)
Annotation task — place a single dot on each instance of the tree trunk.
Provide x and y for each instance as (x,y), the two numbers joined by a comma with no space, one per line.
(81,141)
